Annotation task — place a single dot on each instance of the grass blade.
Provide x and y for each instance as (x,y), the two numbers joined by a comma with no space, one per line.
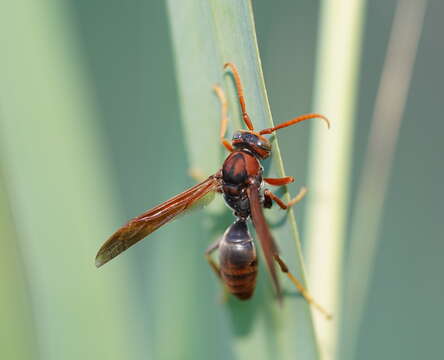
(17,336)
(386,122)
(330,157)
(206,34)
(58,186)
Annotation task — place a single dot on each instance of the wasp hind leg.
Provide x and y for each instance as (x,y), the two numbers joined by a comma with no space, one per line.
(212,248)
(301,288)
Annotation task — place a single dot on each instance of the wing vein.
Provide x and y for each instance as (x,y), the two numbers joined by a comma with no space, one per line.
(144,224)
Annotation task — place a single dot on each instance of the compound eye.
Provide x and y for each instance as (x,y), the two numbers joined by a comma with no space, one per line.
(237,135)
(263,145)
(251,138)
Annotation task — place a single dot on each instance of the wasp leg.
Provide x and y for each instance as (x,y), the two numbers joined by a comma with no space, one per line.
(240,94)
(223,117)
(213,247)
(279,181)
(269,197)
(197,174)
(301,288)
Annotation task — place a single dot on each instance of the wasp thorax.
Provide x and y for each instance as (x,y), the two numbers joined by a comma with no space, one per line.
(252,141)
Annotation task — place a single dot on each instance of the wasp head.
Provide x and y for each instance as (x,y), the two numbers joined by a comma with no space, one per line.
(256,143)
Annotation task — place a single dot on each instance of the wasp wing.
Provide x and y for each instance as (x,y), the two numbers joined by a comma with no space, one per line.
(268,244)
(143,225)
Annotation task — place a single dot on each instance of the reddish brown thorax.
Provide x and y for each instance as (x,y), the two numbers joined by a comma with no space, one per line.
(239,169)
(239,166)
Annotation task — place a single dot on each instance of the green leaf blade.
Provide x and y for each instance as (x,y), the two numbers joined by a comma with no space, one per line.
(205,36)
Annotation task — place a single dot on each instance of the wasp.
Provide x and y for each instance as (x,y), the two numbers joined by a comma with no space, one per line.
(242,184)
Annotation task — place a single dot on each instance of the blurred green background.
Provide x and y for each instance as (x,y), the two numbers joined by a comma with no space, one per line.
(90,136)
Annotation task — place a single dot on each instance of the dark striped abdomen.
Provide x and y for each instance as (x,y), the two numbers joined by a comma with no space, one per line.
(238,267)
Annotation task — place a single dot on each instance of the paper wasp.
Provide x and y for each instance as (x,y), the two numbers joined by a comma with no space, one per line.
(241,182)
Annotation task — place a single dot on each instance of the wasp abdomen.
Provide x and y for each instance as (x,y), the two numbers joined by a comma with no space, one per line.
(238,261)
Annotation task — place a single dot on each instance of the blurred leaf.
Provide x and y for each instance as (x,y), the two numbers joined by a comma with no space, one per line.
(58,187)
(206,34)
(368,210)
(17,337)
(337,72)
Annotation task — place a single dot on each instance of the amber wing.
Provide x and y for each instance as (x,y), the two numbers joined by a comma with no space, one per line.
(266,239)
(143,225)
